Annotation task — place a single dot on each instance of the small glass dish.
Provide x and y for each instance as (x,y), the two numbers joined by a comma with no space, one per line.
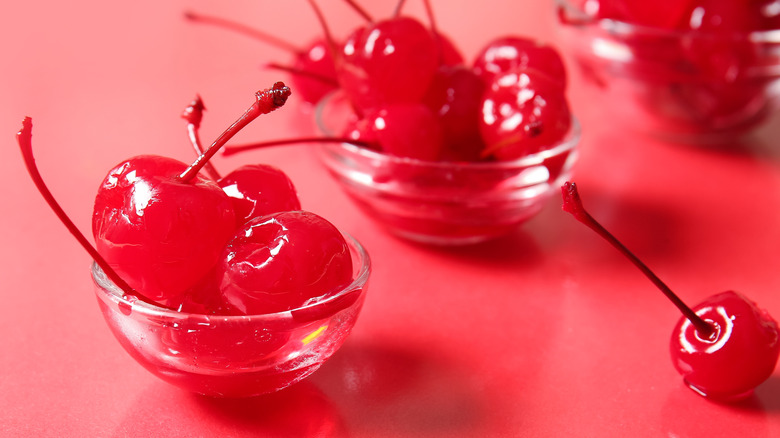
(681,85)
(234,356)
(443,203)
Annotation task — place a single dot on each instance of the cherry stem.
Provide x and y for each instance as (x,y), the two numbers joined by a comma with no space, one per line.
(573,204)
(434,29)
(24,138)
(193,114)
(299,72)
(329,40)
(231,150)
(242,29)
(362,12)
(266,101)
(398,8)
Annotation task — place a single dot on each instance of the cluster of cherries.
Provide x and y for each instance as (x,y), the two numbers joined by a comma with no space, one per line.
(414,95)
(725,346)
(186,238)
(694,59)
(707,15)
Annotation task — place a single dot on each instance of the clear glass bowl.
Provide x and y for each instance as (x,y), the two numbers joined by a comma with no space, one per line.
(691,86)
(234,356)
(443,203)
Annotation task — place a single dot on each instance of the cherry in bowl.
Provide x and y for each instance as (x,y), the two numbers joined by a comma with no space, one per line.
(677,75)
(443,202)
(234,355)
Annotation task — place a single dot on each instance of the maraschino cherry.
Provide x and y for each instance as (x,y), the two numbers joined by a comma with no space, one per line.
(282,262)
(723,347)
(523,111)
(255,189)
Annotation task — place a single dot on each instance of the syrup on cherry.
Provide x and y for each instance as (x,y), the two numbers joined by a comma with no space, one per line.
(724,347)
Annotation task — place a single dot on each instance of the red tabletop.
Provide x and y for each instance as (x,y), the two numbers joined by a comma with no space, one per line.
(547,331)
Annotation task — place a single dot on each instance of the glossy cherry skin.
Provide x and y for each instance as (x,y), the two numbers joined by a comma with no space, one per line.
(455,97)
(449,54)
(667,14)
(389,61)
(408,130)
(317,60)
(740,355)
(511,52)
(523,112)
(282,262)
(258,190)
(162,235)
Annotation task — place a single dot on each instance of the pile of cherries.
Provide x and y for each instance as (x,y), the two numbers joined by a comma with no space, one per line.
(186,238)
(694,61)
(414,95)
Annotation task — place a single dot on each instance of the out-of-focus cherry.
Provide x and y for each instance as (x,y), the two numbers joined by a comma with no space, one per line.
(523,111)
(508,53)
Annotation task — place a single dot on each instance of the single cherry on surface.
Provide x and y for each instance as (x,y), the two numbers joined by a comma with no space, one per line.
(723,347)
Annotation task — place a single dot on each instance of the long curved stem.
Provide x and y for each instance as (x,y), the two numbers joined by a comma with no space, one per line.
(573,204)
(24,138)
(242,29)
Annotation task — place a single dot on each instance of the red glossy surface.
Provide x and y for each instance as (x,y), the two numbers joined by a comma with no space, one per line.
(547,332)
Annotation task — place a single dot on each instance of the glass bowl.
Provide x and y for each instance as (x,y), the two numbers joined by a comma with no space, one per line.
(234,356)
(686,85)
(443,203)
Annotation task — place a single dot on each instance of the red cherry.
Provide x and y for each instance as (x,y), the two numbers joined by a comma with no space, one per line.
(725,346)
(313,71)
(739,356)
(282,262)
(667,14)
(389,61)
(455,97)
(258,190)
(407,130)
(508,53)
(160,224)
(160,233)
(523,112)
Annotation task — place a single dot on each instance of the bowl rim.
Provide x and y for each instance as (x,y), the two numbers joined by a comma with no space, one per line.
(568,143)
(106,288)
(571,15)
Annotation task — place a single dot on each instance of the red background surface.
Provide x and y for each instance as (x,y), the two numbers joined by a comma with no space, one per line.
(545,332)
